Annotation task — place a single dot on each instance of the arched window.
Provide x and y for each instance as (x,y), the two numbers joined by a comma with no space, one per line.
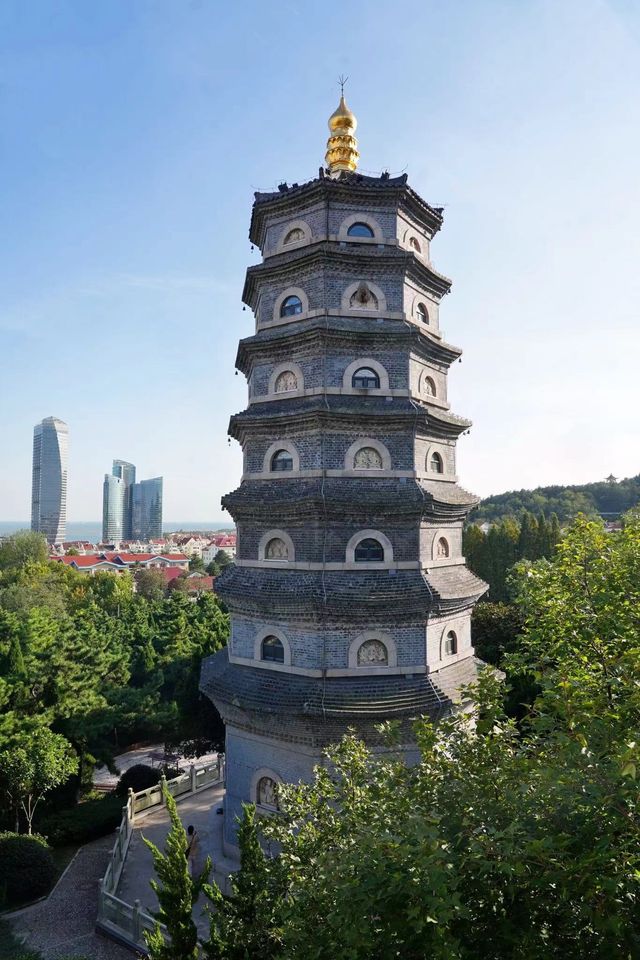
(450,644)
(367,458)
(365,379)
(422,313)
(435,463)
(282,461)
(373,653)
(363,298)
(429,386)
(276,549)
(294,235)
(413,243)
(360,230)
(286,381)
(291,306)
(272,650)
(267,793)
(442,548)
(368,550)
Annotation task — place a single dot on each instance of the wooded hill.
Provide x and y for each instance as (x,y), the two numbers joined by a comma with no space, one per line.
(607,498)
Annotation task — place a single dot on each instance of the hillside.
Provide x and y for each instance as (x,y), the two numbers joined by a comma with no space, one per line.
(609,498)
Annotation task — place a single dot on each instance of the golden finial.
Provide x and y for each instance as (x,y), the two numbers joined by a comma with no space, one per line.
(342,146)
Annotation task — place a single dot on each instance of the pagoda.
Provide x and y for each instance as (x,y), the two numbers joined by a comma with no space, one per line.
(350,600)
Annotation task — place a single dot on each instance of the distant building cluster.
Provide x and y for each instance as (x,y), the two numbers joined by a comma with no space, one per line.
(130,510)
(170,556)
(131,516)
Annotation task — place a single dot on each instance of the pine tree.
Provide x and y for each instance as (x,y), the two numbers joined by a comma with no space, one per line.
(527,541)
(244,925)
(177,894)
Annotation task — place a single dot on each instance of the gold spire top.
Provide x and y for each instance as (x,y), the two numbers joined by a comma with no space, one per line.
(342,146)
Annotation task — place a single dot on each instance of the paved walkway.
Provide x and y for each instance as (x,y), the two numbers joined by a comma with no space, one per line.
(198,809)
(63,924)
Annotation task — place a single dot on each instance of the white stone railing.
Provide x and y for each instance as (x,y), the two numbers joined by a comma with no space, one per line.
(117,918)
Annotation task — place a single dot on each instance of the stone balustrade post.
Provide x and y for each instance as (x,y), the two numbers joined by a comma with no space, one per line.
(192,774)
(136,925)
(100,898)
(163,786)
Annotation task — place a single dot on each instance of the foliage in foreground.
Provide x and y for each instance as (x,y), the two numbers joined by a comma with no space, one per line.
(245,924)
(177,894)
(501,843)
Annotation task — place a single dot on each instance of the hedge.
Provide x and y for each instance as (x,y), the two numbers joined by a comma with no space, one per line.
(27,869)
(87,821)
(138,777)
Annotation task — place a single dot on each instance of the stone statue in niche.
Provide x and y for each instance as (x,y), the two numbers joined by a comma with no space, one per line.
(372,653)
(268,792)
(363,298)
(429,387)
(286,381)
(367,458)
(277,550)
(442,549)
(294,235)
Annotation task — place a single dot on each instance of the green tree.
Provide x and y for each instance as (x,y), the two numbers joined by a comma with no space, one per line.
(501,842)
(150,583)
(177,894)
(32,767)
(246,923)
(20,548)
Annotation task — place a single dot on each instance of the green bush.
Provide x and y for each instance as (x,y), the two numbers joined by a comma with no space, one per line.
(27,870)
(138,777)
(87,821)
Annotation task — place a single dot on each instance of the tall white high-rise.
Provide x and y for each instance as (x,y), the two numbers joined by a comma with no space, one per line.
(49,479)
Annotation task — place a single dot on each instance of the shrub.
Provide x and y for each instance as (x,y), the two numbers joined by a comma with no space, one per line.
(26,867)
(87,821)
(138,777)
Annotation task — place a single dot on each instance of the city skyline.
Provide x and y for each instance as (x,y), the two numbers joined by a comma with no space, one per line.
(130,221)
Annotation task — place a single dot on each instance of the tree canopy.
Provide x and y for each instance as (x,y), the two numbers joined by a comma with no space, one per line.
(504,840)
(90,660)
(605,498)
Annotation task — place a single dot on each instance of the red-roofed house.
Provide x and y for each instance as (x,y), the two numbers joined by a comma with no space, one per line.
(119,561)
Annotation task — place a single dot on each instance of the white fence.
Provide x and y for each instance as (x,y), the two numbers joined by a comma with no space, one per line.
(124,921)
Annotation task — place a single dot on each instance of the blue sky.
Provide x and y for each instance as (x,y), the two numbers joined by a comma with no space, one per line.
(133,133)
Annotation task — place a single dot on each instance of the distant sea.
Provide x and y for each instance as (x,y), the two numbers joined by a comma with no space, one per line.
(88,530)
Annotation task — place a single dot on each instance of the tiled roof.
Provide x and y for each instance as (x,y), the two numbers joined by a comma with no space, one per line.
(351,595)
(144,557)
(355,496)
(87,561)
(374,697)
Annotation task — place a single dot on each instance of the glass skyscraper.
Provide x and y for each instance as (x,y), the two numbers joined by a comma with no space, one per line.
(113,508)
(49,479)
(146,509)
(127,473)
(130,510)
